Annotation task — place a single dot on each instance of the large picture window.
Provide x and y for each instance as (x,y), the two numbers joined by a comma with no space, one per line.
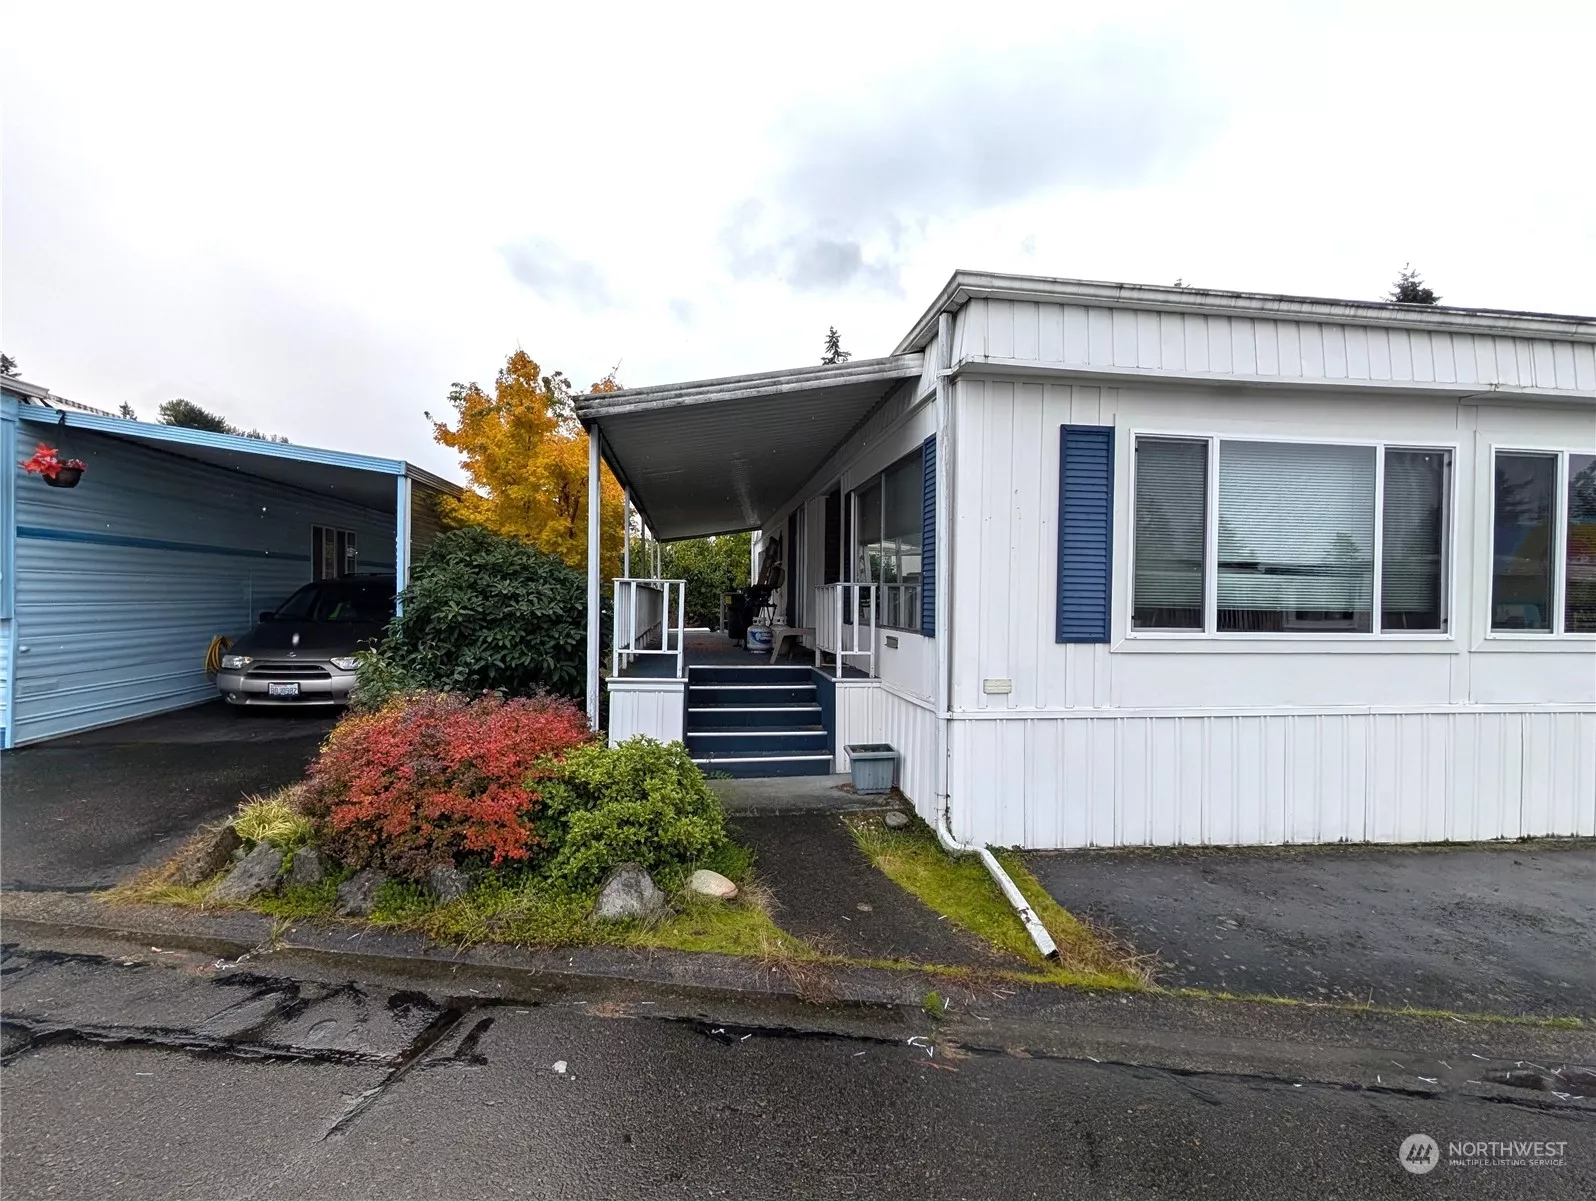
(1543,543)
(888,525)
(1292,537)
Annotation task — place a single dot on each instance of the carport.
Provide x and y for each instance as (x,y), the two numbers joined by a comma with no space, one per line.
(111,591)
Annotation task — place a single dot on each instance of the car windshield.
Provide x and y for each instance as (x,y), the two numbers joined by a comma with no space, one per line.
(340,600)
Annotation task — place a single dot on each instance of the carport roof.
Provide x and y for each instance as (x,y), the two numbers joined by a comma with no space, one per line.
(360,479)
(719,455)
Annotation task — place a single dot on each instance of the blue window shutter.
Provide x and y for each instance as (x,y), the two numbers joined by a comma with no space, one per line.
(928,539)
(1085,531)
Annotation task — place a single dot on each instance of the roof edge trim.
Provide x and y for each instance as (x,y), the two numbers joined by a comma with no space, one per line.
(595,406)
(964,286)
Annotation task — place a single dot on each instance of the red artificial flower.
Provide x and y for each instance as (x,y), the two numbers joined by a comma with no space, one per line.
(46,461)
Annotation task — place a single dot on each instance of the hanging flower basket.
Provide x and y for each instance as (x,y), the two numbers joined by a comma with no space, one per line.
(48,466)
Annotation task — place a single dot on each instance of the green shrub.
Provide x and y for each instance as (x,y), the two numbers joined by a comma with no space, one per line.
(378,680)
(488,613)
(642,802)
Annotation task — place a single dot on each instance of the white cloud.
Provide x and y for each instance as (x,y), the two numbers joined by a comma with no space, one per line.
(318,234)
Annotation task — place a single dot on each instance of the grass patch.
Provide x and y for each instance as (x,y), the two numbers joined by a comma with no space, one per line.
(959,887)
(274,819)
(527,910)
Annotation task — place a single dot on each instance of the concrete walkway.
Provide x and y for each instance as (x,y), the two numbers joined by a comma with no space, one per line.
(1502,928)
(794,794)
(829,894)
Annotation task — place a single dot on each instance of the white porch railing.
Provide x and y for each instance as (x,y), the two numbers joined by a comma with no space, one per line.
(650,619)
(845,624)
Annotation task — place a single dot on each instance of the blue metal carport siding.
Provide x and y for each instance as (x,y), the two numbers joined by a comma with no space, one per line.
(121,582)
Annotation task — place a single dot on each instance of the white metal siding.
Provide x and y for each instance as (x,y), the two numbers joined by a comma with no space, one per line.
(1259,348)
(1245,740)
(1130,780)
(871,711)
(123,580)
(651,707)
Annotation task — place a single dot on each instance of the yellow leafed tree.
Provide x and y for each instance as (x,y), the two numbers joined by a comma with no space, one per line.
(526,455)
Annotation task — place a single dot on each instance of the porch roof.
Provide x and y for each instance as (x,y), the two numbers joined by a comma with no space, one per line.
(720,455)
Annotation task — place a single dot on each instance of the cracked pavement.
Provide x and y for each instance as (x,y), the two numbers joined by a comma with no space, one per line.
(143,1072)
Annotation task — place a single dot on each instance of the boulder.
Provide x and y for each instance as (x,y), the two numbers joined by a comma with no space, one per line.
(256,873)
(205,855)
(628,892)
(448,883)
(896,820)
(711,884)
(308,868)
(358,894)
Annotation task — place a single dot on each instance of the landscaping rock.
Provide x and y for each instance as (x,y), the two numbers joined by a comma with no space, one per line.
(711,884)
(358,894)
(257,873)
(628,892)
(206,855)
(896,820)
(308,867)
(448,883)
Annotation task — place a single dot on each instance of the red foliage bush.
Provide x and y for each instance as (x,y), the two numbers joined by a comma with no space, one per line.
(438,779)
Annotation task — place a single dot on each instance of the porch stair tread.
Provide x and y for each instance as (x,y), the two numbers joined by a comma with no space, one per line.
(757,720)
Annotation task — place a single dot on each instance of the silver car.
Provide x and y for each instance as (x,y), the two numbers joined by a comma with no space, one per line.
(303,652)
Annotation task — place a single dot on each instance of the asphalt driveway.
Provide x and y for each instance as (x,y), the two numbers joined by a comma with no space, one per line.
(1486,928)
(86,810)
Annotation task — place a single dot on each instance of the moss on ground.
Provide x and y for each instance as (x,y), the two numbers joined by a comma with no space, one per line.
(959,887)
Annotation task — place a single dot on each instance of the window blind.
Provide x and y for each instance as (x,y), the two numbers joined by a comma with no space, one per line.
(1296,536)
(1412,593)
(1170,534)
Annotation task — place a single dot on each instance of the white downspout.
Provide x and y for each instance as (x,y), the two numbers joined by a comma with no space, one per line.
(594,600)
(944,644)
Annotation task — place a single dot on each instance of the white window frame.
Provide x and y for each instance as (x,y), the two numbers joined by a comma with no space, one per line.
(1557,632)
(850,498)
(1210,631)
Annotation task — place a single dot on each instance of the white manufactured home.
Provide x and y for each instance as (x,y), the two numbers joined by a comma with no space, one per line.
(1116,565)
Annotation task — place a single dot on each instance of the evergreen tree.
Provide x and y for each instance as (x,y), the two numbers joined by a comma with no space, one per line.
(1409,288)
(834,352)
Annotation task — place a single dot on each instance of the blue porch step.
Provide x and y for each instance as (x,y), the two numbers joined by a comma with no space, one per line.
(758,764)
(756,720)
(751,717)
(811,740)
(753,673)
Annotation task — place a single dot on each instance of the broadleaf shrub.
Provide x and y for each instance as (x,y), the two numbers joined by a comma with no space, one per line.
(438,779)
(642,802)
(379,680)
(489,613)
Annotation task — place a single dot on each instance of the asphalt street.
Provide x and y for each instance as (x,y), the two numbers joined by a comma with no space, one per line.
(159,1074)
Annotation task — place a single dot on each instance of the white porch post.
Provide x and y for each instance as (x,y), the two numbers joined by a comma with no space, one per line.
(594,601)
(626,528)
(401,540)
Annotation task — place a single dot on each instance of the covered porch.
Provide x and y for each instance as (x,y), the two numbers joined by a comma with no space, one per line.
(720,457)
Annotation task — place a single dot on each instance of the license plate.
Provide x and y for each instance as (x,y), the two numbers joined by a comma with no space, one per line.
(282,690)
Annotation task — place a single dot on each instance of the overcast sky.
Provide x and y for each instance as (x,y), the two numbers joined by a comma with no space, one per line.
(313,217)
